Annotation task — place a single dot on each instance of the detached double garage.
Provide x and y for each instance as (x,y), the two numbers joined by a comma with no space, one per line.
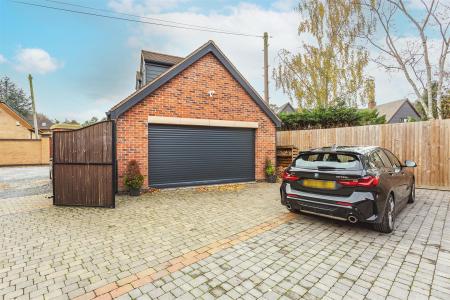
(182,134)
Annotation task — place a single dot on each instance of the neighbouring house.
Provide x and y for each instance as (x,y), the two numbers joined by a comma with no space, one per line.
(198,121)
(286,108)
(13,125)
(397,111)
(18,145)
(44,123)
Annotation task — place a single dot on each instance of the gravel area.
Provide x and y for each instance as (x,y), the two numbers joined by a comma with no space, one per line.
(24,181)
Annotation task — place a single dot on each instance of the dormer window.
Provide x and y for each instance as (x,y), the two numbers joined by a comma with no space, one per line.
(152,65)
(153,70)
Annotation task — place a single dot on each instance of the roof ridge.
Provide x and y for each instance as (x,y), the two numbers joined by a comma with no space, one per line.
(395,101)
(161,53)
(208,47)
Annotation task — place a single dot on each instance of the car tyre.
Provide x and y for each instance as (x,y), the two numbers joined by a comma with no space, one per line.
(412,195)
(387,223)
(288,206)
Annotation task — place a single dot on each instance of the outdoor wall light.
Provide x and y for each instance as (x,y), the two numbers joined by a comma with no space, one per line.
(211,93)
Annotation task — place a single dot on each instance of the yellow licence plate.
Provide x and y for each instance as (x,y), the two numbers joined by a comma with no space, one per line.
(319,184)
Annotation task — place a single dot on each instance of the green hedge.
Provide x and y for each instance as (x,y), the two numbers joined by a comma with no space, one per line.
(330,117)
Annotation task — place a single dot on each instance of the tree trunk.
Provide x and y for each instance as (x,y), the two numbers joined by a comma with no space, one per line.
(439,101)
(429,109)
(441,82)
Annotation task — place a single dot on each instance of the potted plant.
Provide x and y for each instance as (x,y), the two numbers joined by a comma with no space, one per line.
(270,172)
(133,178)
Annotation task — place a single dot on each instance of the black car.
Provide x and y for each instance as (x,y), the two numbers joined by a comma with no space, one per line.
(358,184)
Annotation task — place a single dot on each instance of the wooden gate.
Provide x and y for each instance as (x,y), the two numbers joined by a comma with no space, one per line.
(84,166)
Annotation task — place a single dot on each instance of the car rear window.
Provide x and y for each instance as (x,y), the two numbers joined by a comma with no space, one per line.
(332,160)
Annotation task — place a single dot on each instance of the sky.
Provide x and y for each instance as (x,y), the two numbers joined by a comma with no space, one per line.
(83,65)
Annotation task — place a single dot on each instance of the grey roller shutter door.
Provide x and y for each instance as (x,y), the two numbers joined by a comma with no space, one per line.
(195,155)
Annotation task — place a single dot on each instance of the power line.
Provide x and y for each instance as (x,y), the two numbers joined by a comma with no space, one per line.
(131,15)
(133,20)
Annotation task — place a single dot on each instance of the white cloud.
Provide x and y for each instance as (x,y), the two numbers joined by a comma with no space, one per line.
(2,59)
(35,60)
(245,52)
(280,20)
(81,116)
(285,5)
(148,6)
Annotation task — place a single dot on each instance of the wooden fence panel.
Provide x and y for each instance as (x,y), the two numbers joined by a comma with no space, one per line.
(427,143)
(84,166)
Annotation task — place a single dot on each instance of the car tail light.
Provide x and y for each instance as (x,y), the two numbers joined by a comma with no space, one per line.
(367,181)
(290,177)
(343,203)
(293,195)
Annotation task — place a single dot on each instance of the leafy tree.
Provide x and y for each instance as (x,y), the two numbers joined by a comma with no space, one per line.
(67,121)
(273,107)
(15,97)
(338,115)
(370,117)
(41,118)
(330,66)
(93,120)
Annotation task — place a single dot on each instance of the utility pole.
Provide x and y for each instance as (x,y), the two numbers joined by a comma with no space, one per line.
(36,129)
(266,67)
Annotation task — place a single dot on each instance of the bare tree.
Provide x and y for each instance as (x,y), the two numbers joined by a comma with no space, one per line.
(412,57)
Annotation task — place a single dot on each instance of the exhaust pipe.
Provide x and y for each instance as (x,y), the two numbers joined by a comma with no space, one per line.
(288,205)
(352,219)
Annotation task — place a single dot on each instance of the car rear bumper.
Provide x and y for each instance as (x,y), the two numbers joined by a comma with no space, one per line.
(360,205)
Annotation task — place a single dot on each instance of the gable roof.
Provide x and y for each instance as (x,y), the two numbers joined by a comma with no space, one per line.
(160,58)
(16,115)
(209,47)
(285,106)
(391,108)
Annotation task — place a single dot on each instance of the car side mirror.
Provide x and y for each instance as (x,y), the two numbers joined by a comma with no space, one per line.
(410,164)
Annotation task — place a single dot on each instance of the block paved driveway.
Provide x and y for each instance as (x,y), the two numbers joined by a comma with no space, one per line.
(228,243)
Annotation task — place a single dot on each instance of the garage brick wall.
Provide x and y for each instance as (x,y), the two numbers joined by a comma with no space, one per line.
(186,96)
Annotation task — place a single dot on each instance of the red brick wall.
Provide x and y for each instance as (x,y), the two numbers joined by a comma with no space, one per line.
(185,96)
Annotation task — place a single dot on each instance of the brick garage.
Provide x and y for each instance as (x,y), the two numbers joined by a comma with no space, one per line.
(181,96)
